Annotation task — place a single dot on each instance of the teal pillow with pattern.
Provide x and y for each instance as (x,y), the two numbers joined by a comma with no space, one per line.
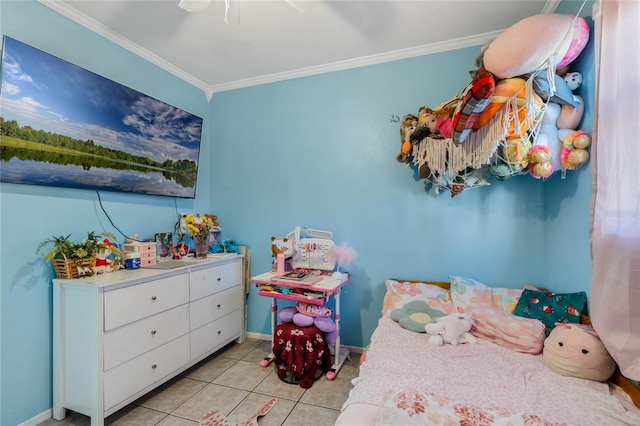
(551,308)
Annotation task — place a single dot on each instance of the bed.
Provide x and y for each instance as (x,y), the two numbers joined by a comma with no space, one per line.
(404,380)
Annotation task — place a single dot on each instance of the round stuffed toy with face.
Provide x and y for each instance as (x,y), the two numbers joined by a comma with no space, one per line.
(575,350)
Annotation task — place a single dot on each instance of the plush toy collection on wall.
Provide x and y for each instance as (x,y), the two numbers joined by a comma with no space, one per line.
(518,115)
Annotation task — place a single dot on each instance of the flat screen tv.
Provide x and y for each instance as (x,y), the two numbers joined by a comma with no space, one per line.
(62,125)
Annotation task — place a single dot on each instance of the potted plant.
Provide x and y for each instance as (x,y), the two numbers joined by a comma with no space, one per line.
(72,259)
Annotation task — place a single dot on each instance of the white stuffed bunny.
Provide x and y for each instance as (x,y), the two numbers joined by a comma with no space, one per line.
(452,329)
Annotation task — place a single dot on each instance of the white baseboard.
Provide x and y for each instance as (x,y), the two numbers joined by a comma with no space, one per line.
(258,336)
(39,418)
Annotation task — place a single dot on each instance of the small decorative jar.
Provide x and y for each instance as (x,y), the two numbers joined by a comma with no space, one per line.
(132,260)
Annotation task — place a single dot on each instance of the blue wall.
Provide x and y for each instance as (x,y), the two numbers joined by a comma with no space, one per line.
(320,152)
(316,151)
(30,214)
(567,201)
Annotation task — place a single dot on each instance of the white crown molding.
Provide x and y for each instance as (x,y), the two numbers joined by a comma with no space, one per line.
(82,19)
(550,6)
(93,25)
(361,62)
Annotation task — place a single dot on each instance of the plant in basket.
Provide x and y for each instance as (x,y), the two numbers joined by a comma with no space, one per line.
(72,259)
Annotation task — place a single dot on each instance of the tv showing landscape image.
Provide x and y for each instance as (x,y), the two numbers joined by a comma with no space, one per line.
(62,125)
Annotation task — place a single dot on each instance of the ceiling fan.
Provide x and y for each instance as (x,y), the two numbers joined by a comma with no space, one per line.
(195,6)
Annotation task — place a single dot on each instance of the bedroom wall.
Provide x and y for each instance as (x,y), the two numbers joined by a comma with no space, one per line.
(566,208)
(316,151)
(29,214)
(320,152)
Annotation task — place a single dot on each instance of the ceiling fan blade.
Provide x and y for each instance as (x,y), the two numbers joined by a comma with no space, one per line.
(194,6)
(302,6)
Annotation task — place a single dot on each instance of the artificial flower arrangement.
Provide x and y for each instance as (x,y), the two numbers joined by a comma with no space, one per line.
(202,227)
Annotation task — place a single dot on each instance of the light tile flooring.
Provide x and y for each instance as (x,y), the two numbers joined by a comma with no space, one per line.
(233,382)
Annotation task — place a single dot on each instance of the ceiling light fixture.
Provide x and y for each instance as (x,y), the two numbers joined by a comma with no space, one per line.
(194,6)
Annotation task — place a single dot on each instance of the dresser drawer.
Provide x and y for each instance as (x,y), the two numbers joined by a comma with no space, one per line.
(148,255)
(140,248)
(129,304)
(134,339)
(215,306)
(213,280)
(147,248)
(215,334)
(147,262)
(133,376)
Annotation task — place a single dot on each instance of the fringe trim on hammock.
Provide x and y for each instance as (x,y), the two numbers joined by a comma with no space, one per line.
(443,155)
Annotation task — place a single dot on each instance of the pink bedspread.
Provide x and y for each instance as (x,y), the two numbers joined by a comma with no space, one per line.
(484,376)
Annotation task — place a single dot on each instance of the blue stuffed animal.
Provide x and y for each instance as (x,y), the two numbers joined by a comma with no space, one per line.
(227,246)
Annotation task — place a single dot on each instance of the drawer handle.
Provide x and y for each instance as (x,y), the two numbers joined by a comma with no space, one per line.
(218,305)
(153,298)
(218,279)
(219,332)
(154,366)
(153,332)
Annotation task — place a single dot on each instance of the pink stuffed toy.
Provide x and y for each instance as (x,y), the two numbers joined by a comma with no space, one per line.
(445,126)
(439,121)
(575,350)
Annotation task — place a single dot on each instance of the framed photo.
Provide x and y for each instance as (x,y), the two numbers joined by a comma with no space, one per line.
(62,125)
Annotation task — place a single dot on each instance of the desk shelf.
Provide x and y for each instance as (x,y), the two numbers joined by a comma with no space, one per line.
(293,297)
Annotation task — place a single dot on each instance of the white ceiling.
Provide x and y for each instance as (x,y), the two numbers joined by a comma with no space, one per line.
(271,40)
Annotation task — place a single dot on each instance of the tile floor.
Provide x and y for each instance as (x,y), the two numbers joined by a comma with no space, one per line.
(233,382)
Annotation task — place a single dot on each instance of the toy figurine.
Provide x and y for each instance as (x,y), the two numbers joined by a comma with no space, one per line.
(179,251)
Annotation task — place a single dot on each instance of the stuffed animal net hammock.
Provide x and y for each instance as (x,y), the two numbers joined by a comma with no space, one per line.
(521,112)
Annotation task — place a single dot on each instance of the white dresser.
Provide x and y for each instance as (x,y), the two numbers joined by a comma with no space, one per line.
(117,336)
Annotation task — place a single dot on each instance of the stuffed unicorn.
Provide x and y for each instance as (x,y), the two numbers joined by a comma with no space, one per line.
(453,329)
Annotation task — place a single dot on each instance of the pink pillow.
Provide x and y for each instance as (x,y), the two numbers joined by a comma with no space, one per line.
(467,291)
(313,310)
(400,293)
(502,328)
(579,40)
(527,45)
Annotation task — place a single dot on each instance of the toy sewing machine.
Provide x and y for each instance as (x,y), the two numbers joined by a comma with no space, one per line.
(303,248)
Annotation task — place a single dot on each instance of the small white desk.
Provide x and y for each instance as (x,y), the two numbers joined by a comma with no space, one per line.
(316,294)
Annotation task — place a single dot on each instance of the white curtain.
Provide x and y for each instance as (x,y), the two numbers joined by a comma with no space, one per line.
(615,237)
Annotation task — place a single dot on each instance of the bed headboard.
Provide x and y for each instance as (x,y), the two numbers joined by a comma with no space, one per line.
(632,388)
